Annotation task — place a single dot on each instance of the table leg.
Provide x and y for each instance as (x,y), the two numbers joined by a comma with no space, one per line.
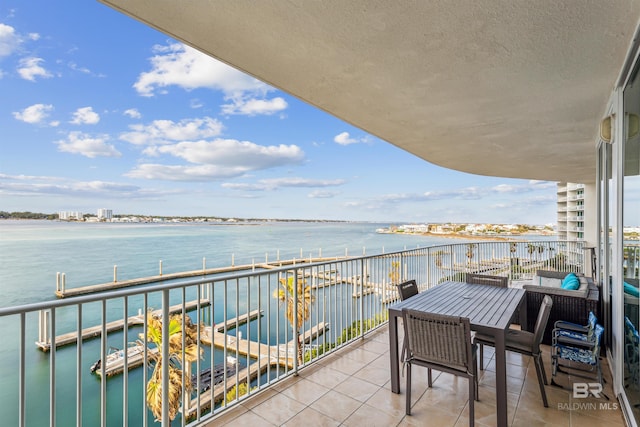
(501,379)
(393,357)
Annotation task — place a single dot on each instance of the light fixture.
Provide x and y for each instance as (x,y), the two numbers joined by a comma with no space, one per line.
(605,128)
(606,125)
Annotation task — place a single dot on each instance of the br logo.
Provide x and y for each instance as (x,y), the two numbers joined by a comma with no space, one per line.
(583,390)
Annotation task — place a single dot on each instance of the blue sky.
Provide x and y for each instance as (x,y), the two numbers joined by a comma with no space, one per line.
(101,111)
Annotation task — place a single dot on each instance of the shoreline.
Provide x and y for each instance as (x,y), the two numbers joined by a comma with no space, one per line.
(467,236)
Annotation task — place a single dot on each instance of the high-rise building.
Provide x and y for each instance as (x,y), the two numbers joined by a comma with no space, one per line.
(571,211)
(70,216)
(105,214)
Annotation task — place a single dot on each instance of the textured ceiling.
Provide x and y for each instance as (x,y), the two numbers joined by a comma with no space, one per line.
(491,87)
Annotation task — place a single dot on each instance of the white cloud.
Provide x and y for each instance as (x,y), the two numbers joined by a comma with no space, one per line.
(133,113)
(191,173)
(487,195)
(161,132)
(86,116)
(345,139)
(253,107)
(189,69)
(30,68)
(16,185)
(322,194)
(183,66)
(276,183)
(230,152)
(76,67)
(9,40)
(34,114)
(85,145)
(217,159)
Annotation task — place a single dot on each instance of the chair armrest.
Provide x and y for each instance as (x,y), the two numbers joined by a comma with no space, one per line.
(572,342)
(570,326)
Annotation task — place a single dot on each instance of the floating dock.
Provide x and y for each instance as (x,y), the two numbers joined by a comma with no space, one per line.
(256,349)
(267,356)
(44,342)
(135,351)
(63,292)
(218,393)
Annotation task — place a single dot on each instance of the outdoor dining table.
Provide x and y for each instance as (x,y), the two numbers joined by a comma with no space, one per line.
(489,309)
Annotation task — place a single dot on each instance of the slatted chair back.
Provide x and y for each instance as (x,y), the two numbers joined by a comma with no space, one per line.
(407,289)
(439,339)
(541,323)
(485,279)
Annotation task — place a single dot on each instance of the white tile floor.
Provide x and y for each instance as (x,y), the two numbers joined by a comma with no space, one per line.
(352,388)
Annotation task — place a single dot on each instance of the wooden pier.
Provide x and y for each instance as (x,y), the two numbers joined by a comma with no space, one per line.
(259,350)
(267,356)
(63,292)
(44,342)
(135,353)
(218,393)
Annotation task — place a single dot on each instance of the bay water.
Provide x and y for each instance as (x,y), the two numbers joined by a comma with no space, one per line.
(33,252)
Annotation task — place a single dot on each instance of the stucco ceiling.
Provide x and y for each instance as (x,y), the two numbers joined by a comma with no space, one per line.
(509,88)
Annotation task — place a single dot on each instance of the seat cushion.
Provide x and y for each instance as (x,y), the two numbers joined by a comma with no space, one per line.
(516,340)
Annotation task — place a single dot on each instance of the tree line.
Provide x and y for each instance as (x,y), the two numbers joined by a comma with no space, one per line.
(27,215)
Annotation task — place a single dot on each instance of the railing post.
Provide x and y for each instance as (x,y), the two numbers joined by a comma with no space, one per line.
(52,370)
(363,269)
(296,327)
(428,268)
(165,358)
(21,372)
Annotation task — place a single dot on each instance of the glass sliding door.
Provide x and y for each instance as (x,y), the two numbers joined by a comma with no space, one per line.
(631,243)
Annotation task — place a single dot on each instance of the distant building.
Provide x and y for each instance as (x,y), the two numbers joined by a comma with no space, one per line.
(70,216)
(105,214)
(571,211)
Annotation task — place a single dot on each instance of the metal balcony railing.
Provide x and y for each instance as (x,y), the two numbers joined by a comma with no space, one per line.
(104,358)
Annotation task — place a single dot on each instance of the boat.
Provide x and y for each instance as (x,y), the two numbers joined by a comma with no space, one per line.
(207,379)
(115,356)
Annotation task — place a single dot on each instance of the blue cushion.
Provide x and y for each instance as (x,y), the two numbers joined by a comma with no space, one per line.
(570,282)
(631,290)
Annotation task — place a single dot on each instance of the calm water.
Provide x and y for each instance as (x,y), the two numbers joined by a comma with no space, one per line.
(32,252)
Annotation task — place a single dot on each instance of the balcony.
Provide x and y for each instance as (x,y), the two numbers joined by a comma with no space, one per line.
(245,323)
(352,388)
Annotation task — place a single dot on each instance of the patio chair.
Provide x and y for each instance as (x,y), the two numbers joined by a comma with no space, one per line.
(485,279)
(578,356)
(632,352)
(527,343)
(563,329)
(442,343)
(407,289)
